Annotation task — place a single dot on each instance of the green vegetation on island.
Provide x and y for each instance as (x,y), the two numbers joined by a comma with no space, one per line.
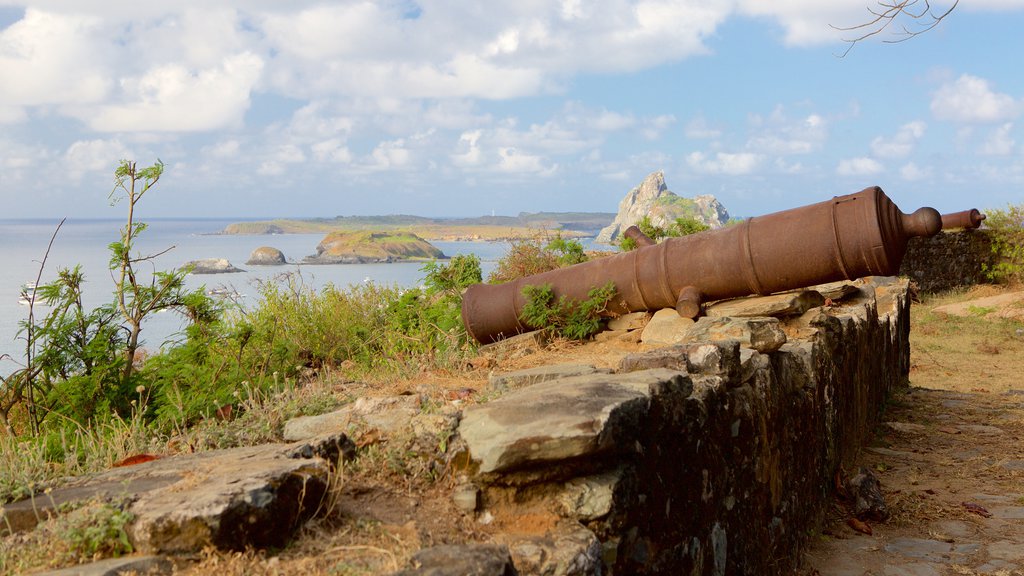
(369,246)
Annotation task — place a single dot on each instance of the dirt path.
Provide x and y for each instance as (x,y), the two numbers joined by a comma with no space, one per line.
(949,456)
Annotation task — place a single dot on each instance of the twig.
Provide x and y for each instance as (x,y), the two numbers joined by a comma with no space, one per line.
(888,13)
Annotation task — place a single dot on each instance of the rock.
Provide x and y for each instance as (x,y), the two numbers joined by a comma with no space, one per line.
(522,378)
(710,358)
(466,498)
(652,198)
(784,304)
(569,550)
(266,256)
(517,346)
(760,333)
(253,228)
(211,266)
(232,499)
(392,416)
(362,247)
(666,327)
(461,560)
(869,504)
(142,565)
(583,416)
(837,291)
(631,321)
(590,497)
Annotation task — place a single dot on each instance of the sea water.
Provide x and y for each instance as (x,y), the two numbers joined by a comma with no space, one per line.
(23,244)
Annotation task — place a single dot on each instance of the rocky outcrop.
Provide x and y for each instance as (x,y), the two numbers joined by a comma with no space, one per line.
(253,228)
(211,266)
(652,198)
(706,457)
(372,247)
(266,256)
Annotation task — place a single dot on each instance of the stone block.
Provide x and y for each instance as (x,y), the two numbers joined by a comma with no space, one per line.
(461,559)
(559,420)
(712,358)
(760,333)
(783,304)
(522,378)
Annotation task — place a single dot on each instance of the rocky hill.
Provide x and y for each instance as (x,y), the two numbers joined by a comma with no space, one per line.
(370,247)
(653,198)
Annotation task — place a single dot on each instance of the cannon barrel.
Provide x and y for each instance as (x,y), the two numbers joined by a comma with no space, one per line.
(847,237)
(968,219)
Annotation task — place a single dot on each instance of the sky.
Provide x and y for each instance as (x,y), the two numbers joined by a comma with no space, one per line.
(262,108)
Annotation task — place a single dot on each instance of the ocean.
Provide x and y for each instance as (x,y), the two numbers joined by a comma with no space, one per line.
(23,244)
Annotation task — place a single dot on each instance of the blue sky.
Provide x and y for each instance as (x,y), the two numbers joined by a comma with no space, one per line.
(442,108)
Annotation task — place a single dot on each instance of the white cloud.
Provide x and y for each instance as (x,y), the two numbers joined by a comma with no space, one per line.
(172,98)
(94,155)
(999,142)
(332,150)
(223,150)
(468,150)
(862,166)
(698,128)
(912,172)
(724,163)
(808,22)
(48,58)
(780,135)
(900,145)
(971,100)
(516,162)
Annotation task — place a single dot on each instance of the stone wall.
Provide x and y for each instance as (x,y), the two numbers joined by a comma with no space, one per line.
(700,458)
(948,260)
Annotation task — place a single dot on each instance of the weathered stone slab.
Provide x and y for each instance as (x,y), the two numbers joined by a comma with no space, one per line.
(461,560)
(562,419)
(711,358)
(666,327)
(137,565)
(530,376)
(254,496)
(784,304)
(760,333)
(837,291)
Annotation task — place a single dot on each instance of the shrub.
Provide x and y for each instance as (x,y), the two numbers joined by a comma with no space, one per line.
(536,255)
(1006,228)
(683,226)
(562,316)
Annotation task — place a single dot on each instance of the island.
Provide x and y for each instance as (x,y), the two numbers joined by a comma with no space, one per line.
(367,247)
(483,228)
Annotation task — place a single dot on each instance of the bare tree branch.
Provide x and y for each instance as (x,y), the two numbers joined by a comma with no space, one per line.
(915,17)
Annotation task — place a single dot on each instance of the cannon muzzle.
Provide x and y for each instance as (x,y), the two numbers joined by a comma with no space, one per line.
(968,220)
(847,237)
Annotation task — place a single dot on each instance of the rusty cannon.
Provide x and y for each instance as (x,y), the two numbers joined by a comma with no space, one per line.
(968,220)
(847,237)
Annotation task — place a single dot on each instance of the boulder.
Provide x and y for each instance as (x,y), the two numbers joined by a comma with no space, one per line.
(653,198)
(266,256)
(211,266)
(666,327)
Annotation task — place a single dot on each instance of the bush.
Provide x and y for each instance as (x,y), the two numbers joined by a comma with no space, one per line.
(681,227)
(1006,228)
(530,256)
(564,317)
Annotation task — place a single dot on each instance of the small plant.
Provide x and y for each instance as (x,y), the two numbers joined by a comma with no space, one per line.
(1006,229)
(562,316)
